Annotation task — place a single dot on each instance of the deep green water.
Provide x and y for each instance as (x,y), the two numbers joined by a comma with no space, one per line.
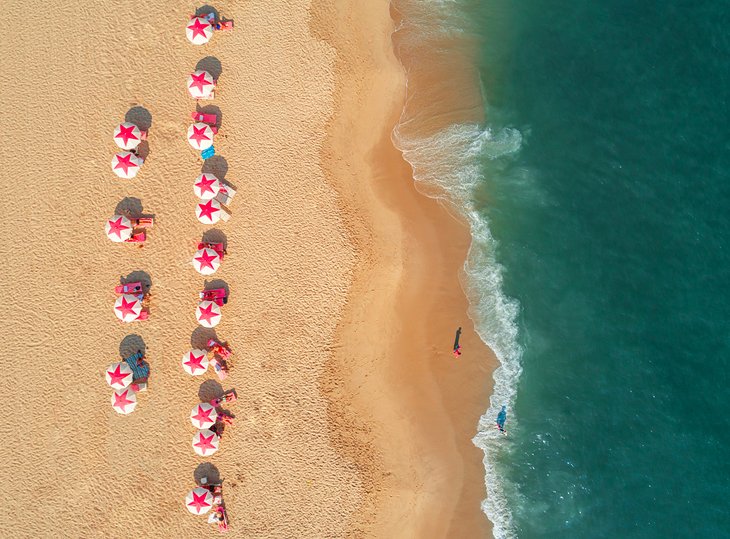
(613,230)
(599,197)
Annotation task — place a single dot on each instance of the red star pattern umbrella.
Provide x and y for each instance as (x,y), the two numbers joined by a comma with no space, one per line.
(209,212)
(199,501)
(127,136)
(118,228)
(127,307)
(195,362)
(124,401)
(200,84)
(199,31)
(203,416)
(126,164)
(119,375)
(208,314)
(207,186)
(205,442)
(200,136)
(206,261)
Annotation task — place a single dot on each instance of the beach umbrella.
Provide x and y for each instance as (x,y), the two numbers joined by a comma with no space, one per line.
(209,211)
(203,415)
(199,31)
(119,375)
(200,136)
(208,314)
(206,261)
(127,136)
(207,186)
(118,228)
(126,164)
(205,442)
(199,501)
(200,84)
(124,401)
(127,307)
(195,362)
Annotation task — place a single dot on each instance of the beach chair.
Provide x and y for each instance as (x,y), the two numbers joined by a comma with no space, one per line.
(217,295)
(143,222)
(210,119)
(142,135)
(207,153)
(139,237)
(224,26)
(223,350)
(220,367)
(140,368)
(129,288)
(226,193)
(217,247)
(225,214)
(143,315)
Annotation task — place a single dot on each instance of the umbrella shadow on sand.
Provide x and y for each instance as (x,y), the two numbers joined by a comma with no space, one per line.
(131,344)
(216,165)
(209,390)
(209,471)
(138,276)
(132,207)
(140,117)
(204,10)
(212,65)
(200,337)
(215,236)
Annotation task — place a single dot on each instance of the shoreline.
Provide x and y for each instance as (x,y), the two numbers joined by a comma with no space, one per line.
(409,410)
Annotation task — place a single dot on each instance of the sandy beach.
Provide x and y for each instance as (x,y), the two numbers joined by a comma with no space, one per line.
(353,417)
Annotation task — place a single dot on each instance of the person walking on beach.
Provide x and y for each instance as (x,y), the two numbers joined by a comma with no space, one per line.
(457,346)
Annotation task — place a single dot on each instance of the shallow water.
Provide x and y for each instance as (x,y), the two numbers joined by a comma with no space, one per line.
(597,189)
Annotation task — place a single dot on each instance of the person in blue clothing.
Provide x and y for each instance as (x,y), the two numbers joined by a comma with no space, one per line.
(501,418)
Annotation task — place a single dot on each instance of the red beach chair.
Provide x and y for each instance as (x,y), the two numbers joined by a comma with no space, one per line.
(217,295)
(140,237)
(217,247)
(143,315)
(210,119)
(129,288)
(220,368)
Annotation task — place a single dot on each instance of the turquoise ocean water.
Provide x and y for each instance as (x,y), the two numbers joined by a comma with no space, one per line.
(598,192)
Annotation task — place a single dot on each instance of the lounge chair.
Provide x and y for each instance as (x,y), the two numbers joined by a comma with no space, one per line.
(143,315)
(224,26)
(220,367)
(143,222)
(221,349)
(217,247)
(210,119)
(139,237)
(217,295)
(129,288)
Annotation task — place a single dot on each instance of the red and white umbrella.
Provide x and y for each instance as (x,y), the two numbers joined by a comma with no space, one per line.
(205,442)
(127,136)
(127,307)
(203,416)
(209,211)
(200,84)
(119,375)
(124,401)
(206,261)
(126,164)
(199,31)
(208,314)
(118,228)
(199,501)
(207,186)
(195,362)
(200,136)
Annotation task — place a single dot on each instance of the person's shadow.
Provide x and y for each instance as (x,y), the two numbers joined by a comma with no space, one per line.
(456,340)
